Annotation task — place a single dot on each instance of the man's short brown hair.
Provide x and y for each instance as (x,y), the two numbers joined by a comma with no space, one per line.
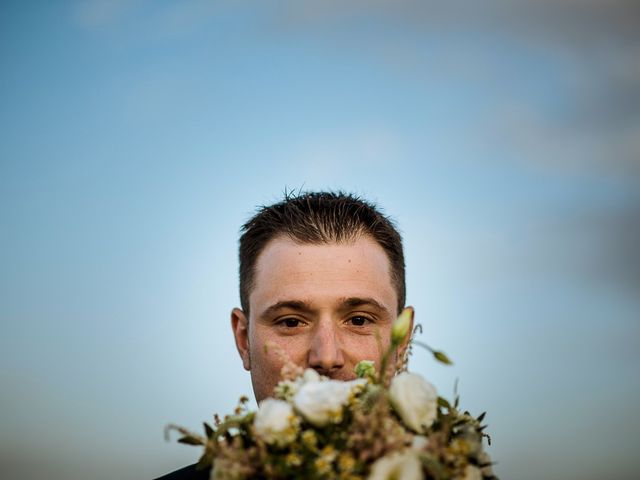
(319,218)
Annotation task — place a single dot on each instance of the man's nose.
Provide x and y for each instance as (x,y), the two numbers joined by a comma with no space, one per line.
(325,353)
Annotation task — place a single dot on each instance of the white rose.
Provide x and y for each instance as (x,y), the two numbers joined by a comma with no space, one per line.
(286,389)
(404,465)
(322,402)
(275,422)
(415,400)
(310,375)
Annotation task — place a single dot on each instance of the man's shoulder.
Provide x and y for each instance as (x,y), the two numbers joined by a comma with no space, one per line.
(187,473)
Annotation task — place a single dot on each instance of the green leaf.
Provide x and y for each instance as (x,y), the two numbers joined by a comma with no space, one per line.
(208,430)
(444,403)
(189,440)
(481,416)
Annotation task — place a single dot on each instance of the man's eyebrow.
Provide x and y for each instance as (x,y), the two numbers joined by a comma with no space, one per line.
(289,304)
(353,302)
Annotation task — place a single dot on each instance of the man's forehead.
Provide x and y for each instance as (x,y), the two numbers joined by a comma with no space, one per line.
(285,253)
(290,270)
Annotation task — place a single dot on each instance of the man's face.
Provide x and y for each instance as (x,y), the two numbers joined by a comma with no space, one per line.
(326,306)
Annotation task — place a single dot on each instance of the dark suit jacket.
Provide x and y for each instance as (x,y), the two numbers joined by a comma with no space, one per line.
(187,473)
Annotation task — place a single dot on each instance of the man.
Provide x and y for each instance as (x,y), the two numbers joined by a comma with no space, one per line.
(321,281)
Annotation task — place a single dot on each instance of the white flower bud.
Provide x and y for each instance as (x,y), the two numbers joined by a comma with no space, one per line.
(401,326)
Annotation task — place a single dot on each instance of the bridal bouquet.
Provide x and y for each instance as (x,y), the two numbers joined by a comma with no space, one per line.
(377,427)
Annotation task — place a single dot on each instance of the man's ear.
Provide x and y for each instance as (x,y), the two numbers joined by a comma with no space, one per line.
(240,327)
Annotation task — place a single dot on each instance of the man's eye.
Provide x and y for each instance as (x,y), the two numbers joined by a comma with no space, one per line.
(359,321)
(290,322)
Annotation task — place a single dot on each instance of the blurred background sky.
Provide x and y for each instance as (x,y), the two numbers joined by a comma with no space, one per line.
(137,136)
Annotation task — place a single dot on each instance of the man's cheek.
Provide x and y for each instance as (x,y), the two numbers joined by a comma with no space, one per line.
(290,347)
(364,350)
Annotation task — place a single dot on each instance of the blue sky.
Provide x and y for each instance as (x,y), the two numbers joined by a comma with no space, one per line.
(138,136)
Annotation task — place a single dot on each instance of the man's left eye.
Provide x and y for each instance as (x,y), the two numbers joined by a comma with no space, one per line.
(359,321)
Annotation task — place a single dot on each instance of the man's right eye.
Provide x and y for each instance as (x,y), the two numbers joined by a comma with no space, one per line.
(290,322)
